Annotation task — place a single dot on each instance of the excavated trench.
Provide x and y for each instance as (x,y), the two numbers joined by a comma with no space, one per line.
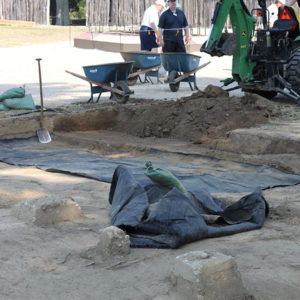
(201,117)
(196,119)
(206,122)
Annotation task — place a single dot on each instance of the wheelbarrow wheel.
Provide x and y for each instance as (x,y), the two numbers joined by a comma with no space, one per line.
(174,87)
(132,80)
(121,99)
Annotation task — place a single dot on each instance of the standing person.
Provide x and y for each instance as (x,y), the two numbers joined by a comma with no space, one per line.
(171,24)
(274,10)
(149,30)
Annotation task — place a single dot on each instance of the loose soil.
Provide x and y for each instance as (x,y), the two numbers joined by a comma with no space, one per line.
(199,118)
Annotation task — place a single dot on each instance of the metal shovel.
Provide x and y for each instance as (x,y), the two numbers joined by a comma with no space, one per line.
(42,132)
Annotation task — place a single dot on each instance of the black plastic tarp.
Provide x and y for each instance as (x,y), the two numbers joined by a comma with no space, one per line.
(215,175)
(155,216)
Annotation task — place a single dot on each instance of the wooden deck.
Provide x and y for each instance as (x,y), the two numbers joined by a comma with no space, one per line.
(117,42)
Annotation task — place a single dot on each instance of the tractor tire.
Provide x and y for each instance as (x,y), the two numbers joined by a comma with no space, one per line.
(293,70)
(122,99)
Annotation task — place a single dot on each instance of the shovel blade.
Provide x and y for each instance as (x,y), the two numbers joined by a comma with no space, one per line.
(43,135)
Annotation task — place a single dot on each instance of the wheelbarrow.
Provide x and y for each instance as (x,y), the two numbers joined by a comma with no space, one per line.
(144,63)
(108,78)
(181,67)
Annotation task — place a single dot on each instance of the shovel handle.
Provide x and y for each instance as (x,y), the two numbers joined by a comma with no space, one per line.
(41,88)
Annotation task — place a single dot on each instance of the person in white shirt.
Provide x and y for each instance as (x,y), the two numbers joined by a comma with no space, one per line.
(273,11)
(149,30)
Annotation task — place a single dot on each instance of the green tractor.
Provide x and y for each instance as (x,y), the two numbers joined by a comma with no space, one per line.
(266,60)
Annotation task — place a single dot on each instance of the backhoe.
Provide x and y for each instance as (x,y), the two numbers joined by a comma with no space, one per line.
(266,60)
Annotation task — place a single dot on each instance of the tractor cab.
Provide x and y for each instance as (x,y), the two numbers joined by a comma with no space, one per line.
(282,26)
(289,15)
(273,43)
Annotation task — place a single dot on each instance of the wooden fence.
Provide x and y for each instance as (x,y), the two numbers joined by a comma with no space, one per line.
(112,14)
(25,10)
(127,14)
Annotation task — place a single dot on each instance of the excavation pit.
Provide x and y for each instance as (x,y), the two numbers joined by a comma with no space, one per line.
(189,134)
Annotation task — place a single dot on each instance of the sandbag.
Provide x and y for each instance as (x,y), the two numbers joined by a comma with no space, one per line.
(20,103)
(13,93)
(3,107)
(163,177)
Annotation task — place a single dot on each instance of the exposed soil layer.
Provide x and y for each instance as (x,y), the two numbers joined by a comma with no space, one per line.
(199,118)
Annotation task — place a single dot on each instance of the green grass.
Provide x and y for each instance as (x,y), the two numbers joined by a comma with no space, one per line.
(15,36)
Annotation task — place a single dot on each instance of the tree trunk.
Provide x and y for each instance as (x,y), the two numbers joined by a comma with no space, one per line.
(62,12)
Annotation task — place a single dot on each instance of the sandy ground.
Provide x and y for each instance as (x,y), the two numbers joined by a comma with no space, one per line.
(20,67)
(47,262)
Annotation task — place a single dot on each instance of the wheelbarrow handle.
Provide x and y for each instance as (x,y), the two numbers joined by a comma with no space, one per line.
(187,74)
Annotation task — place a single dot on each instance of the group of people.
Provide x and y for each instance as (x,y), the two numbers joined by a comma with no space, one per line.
(273,10)
(164,27)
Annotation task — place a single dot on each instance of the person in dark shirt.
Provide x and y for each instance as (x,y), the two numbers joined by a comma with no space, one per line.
(171,24)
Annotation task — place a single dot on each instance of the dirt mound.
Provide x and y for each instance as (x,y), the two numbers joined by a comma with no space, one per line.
(201,117)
